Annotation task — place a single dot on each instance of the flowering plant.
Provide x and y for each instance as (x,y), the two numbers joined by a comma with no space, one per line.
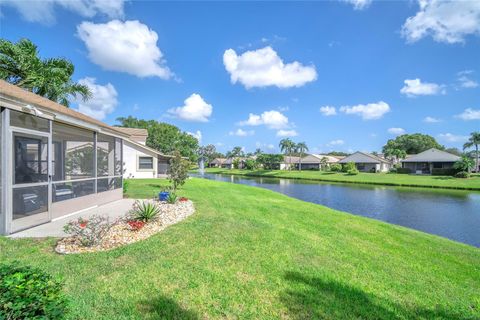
(136,225)
(183,199)
(88,231)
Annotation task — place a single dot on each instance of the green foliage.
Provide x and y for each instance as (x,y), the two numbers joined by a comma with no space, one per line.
(353,172)
(338,153)
(89,231)
(464,164)
(348,166)
(409,144)
(172,198)
(250,164)
(404,170)
(236,163)
(51,78)
(462,175)
(178,172)
(208,153)
(164,137)
(444,172)
(145,211)
(336,167)
(454,151)
(270,161)
(30,293)
(126,184)
(235,153)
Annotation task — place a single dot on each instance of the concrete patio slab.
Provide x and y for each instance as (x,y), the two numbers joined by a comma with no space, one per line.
(112,210)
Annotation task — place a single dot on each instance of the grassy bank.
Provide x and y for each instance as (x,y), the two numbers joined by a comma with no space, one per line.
(251,253)
(387,179)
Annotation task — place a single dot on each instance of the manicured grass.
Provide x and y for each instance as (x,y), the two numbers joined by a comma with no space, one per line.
(250,253)
(388,179)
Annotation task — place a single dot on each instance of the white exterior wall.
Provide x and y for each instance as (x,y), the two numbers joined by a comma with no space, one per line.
(130,162)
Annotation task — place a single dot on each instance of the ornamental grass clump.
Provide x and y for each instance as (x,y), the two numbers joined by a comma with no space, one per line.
(172,198)
(89,231)
(145,211)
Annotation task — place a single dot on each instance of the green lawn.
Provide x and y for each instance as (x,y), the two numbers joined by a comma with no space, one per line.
(250,253)
(388,179)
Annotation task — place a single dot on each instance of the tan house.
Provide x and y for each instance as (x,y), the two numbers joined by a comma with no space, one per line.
(366,162)
(316,161)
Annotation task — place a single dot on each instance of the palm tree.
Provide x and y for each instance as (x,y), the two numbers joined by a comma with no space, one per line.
(301,149)
(474,141)
(286,146)
(21,65)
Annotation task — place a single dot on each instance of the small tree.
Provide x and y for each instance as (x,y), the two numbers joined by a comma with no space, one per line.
(323,163)
(464,164)
(250,164)
(348,166)
(236,163)
(178,172)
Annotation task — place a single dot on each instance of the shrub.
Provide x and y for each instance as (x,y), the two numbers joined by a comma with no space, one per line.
(444,171)
(404,170)
(136,225)
(30,293)
(126,183)
(336,167)
(348,166)
(88,231)
(353,172)
(145,211)
(172,198)
(393,170)
(462,174)
(250,164)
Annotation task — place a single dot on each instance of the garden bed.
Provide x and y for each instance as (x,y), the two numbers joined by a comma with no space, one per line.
(121,232)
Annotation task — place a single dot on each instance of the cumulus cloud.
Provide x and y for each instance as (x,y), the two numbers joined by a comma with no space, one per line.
(337,142)
(44,11)
(102,102)
(197,135)
(396,131)
(415,87)
(431,120)
(449,137)
(469,114)
(194,109)
(128,46)
(371,111)
(273,119)
(465,81)
(328,111)
(359,4)
(263,67)
(287,133)
(241,133)
(445,21)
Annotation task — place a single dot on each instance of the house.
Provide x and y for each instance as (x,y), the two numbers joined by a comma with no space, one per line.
(366,162)
(54,161)
(316,161)
(289,162)
(140,161)
(217,163)
(425,162)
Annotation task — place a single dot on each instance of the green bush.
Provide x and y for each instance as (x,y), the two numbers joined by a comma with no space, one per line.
(353,172)
(404,170)
(172,198)
(250,164)
(393,170)
(126,183)
(444,172)
(335,167)
(348,166)
(145,211)
(29,293)
(462,174)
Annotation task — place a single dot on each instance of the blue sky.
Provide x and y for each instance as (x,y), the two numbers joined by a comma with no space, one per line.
(339,75)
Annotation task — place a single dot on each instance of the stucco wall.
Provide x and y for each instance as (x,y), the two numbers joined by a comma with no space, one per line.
(130,159)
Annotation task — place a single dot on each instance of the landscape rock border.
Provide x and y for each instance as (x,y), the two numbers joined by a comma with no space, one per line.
(121,233)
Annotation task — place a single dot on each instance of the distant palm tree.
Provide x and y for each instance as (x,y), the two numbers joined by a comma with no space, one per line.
(287,146)
(474,141)
(301,149)
(21,65)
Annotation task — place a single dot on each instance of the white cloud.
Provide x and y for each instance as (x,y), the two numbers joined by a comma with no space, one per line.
(469,114)
(197,134)
(337,142)
(449,137)
(102,102)
(195,109)
(415,87)
(263,67)
(328,111)
(273,119)
(44,11)
(445,21)
(287,133)
(359,4)
(465,81)
(371,111)
(396,131)
(128,46)
(241,133)
(431,120)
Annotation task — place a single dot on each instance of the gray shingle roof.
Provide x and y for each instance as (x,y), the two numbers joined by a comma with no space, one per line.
(432,155)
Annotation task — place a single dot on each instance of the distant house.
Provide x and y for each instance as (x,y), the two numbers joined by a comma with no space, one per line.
(315,162)
(367,162)
(289,162)
(217,163)
(426,161)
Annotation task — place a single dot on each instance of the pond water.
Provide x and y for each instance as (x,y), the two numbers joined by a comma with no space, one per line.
(448,213)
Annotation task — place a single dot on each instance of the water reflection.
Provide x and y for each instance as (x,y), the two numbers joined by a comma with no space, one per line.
(453,214)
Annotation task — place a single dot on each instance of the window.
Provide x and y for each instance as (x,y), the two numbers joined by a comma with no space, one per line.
(105,155)
(145,163)
(438,165)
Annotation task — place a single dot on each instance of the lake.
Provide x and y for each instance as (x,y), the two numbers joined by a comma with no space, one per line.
(448,213)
